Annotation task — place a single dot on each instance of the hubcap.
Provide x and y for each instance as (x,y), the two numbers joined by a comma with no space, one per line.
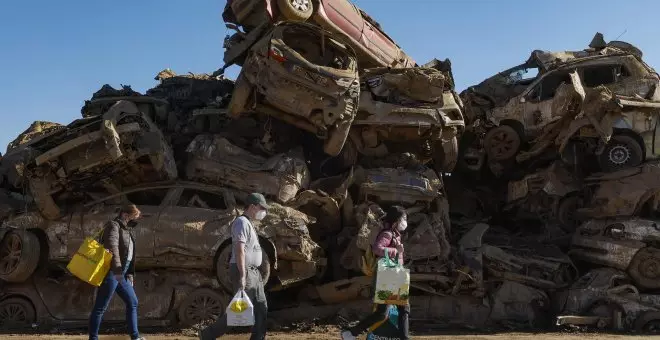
(650,268)
(502,145)
(619,155)
(10,253)
(203,307)
(300,5)
(13,313)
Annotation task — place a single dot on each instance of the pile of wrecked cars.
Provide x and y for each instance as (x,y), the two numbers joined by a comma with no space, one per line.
(529,199)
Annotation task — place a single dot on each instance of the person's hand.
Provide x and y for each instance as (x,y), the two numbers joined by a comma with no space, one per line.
(129,278)
(242,283)
(399,248)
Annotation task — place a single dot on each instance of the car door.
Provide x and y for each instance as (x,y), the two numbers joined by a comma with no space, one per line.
(537,108)
(191,227)
(148,201)
(341,15)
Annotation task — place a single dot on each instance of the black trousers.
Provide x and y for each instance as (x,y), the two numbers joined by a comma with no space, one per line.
(380,314)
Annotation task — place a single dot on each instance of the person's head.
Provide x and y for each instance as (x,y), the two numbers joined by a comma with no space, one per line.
(129,213)
(257,207)
(396,218)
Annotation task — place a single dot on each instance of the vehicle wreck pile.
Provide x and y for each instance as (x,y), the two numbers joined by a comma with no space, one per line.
(528,198)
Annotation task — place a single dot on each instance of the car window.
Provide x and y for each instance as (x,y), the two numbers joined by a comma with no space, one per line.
(547,87)
(603,74)
(147,197)
(192,198)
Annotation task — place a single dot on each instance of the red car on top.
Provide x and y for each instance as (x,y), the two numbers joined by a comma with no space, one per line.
(373,46)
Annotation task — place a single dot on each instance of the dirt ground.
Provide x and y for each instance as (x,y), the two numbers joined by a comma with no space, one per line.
(334,335)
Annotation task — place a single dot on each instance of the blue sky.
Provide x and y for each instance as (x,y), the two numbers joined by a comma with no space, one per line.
(55,54)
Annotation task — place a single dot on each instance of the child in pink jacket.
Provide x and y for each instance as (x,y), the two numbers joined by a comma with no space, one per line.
(388,241)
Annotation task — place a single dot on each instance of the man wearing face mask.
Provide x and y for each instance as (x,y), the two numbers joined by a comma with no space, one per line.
(118,239)
(244,269)
(388,241)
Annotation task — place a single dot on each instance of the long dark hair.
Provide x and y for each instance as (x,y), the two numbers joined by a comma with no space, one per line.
(393,214)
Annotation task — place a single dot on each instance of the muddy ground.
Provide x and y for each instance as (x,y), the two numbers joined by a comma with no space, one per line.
(334,335)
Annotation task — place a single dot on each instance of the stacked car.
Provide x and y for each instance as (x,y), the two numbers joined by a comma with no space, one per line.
(527,198)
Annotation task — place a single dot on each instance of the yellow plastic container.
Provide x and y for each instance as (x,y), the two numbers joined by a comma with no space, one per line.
(91,263)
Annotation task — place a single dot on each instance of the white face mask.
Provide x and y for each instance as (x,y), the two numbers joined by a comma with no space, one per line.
(402,225)
(260,215)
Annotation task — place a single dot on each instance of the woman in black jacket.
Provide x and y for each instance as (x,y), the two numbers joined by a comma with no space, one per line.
(118,239)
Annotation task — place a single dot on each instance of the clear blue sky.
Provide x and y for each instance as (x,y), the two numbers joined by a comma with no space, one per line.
(55,54)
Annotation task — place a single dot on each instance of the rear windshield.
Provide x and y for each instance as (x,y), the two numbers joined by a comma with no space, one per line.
(309,44)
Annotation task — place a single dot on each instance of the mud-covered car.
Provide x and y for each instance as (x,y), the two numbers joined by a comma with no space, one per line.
(214,160)
(416,109)
(625,193)
(511,109)
(550,194)
(496,256)
(624,244)
(12,164)
(342,17)
(605,299)
(96,155)
(168,297)
(304,76)
(184,225)
(426,239)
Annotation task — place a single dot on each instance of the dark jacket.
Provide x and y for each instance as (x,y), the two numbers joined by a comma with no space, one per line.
(116,239)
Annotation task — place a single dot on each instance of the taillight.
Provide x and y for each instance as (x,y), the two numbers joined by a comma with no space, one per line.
(276,54)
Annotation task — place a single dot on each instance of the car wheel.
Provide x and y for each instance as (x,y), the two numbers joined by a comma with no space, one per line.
(445,155)
(644,268)
(648,323)
(19,255)
(240,96)
(222,268)
(502,143)
(264,269)
(621,152)
(296,10)
(16,312)
(201,305)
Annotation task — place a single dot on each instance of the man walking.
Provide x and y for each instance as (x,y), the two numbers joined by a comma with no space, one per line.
(244,269)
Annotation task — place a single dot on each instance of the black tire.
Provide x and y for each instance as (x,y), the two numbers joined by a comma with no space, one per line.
(620,153)
(265,267)
(240,96)
(201,305)
(644,268)
(296,10)
(445,155)
(16,313)
(502,143)
(222,268)
(19,255)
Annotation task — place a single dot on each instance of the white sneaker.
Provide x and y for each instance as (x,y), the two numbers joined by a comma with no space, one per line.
(347,335)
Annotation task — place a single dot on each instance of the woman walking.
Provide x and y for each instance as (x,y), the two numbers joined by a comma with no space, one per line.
(388,241)
(117,238)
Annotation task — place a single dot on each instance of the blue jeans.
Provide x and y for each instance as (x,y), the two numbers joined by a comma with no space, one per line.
(105,292)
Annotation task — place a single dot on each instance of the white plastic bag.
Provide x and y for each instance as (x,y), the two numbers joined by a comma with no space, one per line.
(392,282)
(240,311)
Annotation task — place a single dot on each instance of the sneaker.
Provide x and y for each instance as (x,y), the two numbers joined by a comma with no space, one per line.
(140,338)
(347,335)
